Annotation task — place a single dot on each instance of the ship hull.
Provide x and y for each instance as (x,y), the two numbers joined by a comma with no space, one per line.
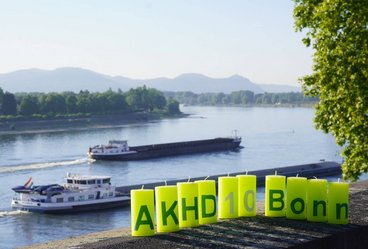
(172,149)
(52,208)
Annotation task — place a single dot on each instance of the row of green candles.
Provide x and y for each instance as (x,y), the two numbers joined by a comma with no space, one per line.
(190,204)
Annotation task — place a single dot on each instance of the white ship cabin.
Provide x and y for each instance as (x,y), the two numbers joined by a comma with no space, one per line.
(114,146)
(87,182)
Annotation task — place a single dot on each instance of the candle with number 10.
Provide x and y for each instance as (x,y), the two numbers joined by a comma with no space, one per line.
(228,197)
(247,187)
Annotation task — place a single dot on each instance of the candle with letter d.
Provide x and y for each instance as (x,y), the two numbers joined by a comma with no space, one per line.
(228,197)
(188,204)
(142,212)
(296,199)
(207,201)
(247,189)
(275,196)
(167,209)
(338,203)
(317,200)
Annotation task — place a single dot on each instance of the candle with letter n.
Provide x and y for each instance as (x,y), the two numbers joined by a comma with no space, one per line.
(142,212)
(228,197)
(338,202)
(167,209)
(247,189)
(275,196)
(296,199)
(207,201)
(317,200)
(188,204)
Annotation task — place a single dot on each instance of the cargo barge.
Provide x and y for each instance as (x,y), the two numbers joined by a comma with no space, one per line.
(118,150)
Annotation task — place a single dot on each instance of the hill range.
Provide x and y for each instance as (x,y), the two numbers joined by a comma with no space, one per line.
(76,79)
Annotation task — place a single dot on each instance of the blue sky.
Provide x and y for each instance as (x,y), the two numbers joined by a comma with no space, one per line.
(156,38)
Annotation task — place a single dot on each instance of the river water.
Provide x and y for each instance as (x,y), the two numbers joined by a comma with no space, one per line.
(272,137)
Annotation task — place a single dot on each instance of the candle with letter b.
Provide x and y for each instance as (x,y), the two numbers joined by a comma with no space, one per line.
(167,209)
(207,201)
(142,212)
(338,202)
(317,200)
(296,199)
(228,197)
(188,204)
(247,189)
(275,196)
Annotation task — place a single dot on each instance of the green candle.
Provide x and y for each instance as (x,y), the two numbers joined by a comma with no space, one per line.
(247,189)
(142,212)
(275,196)
(338,202)
(188,204)
(167,209)
(228,197)
(296,199)
(317,200)
(207,201)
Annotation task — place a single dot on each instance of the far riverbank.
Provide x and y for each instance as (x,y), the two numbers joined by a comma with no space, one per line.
(31,126)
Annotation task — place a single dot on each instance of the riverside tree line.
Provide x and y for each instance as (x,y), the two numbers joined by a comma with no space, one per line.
(70,104)
(242,98)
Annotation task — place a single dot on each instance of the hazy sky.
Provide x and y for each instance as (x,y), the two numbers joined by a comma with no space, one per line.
(146,39)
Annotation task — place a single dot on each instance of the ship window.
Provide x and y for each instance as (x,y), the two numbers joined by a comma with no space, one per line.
(76,181)
(111,194)
(91,197)
(105,195)
(81,197)
(98,181)
(106,180)
(59,199)
(71,198)
(83,182)
(91,181)
(69,181)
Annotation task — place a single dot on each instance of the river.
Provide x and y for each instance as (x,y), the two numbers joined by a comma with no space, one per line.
(272,137)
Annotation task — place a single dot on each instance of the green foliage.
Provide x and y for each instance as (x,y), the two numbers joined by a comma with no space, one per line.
(241,98)
(69,104)
(172,106)
(337,30)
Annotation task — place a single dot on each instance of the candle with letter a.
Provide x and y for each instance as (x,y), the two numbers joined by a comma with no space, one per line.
(142,212)
(275,196)
(207,209)
(188,204)
(228,197)
(167,209)
(338,202)
(296,199)
(247,189)
(317,200)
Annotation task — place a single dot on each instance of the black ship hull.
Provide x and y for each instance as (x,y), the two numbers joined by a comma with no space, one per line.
(172,149)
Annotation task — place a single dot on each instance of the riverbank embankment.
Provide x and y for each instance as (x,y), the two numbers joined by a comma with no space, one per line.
(32,126)
(254,232)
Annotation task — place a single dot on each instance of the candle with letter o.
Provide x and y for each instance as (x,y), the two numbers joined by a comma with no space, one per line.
(338,202)
(228,197)
(207,209)
(317,200)
(188,204)
(247,189)
(142,212)
(296,200)
(275,196)
(167,209)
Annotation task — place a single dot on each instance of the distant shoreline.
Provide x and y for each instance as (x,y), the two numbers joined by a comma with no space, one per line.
(31,126)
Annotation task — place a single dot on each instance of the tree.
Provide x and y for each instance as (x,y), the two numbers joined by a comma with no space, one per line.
(29,105)
(9,105)
(337,30)
(1,99)
(172,106)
